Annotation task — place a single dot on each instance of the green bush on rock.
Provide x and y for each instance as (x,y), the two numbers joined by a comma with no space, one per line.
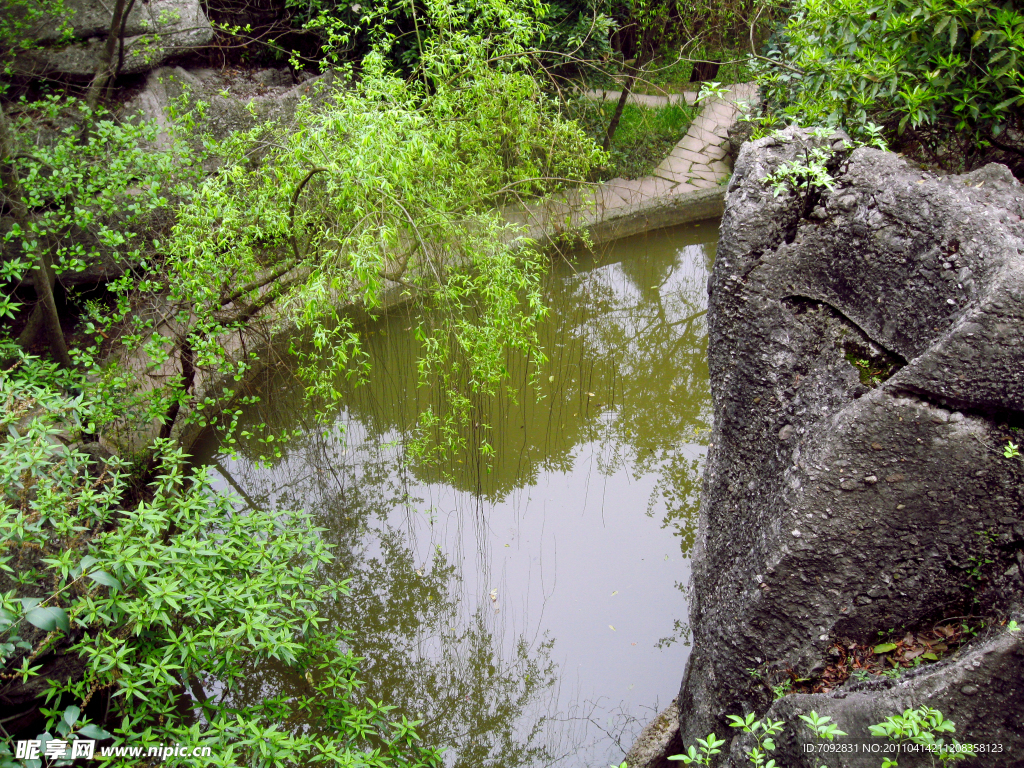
(916,730)
(942,78)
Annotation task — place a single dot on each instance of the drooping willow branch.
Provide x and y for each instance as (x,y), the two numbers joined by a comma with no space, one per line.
(291,209)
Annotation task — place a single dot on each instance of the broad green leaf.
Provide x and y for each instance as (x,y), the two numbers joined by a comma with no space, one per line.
(48,619)
(94,732)
(104,578)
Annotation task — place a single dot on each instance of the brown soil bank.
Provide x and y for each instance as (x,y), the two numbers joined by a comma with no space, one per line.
(867,369)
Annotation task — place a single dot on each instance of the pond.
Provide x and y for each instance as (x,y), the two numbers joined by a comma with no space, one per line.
(531,611)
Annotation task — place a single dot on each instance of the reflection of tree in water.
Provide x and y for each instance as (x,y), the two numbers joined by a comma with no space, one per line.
(626,342)
(654,338)
(627,371)
(406,618)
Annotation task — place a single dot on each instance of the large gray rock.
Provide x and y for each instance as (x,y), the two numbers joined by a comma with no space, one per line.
(658,741)
(234,101)
(155,32)
(982,692)
(831,510)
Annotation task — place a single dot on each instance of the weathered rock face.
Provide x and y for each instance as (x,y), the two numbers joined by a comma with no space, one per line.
(155,31)
(831,510)
(235,102)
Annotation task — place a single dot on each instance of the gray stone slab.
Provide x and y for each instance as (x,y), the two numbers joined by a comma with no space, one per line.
(708,175)
(688,155)
(674,164)
(691,143)
(714,153)
(675,177)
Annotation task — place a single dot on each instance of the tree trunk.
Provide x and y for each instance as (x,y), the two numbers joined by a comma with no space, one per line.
(634,71)
(704,71)
(104,69)
(188,378)
(44,317)
(120,48)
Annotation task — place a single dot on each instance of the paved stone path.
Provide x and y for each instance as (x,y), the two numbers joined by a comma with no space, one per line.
(644,99)
(698,161)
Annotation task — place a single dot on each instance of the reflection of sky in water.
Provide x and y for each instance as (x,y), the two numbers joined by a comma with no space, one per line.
(518,610)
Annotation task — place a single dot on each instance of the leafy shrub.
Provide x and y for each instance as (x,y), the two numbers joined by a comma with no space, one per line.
(389,187)
(164,594)
(941,77)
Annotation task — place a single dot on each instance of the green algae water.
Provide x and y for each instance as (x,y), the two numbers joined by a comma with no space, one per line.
(529,609)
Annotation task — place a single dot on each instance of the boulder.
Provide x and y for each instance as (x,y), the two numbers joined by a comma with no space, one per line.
(658,741)
(867,369)
(156,31)
(235,101)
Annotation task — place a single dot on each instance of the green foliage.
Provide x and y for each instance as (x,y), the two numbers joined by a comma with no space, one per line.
(942,76)
(88,200)
(644,137)
(154,604)
(822,726)
(579,31)
(19,20)
(923,727)
(409,32)
(389,190)
(707,749)
(805,175)
(763,732)
(386,190)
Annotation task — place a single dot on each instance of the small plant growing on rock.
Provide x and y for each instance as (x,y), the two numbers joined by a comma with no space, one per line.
(758,755)
(803,175)
(822,726)
(708,747)
(922,727)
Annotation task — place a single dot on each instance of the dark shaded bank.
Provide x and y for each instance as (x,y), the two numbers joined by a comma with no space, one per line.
(865,354)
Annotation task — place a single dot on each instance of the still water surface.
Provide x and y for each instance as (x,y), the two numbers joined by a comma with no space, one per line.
(532,612)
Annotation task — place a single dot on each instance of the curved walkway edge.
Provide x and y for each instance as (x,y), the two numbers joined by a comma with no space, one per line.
(693,175)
